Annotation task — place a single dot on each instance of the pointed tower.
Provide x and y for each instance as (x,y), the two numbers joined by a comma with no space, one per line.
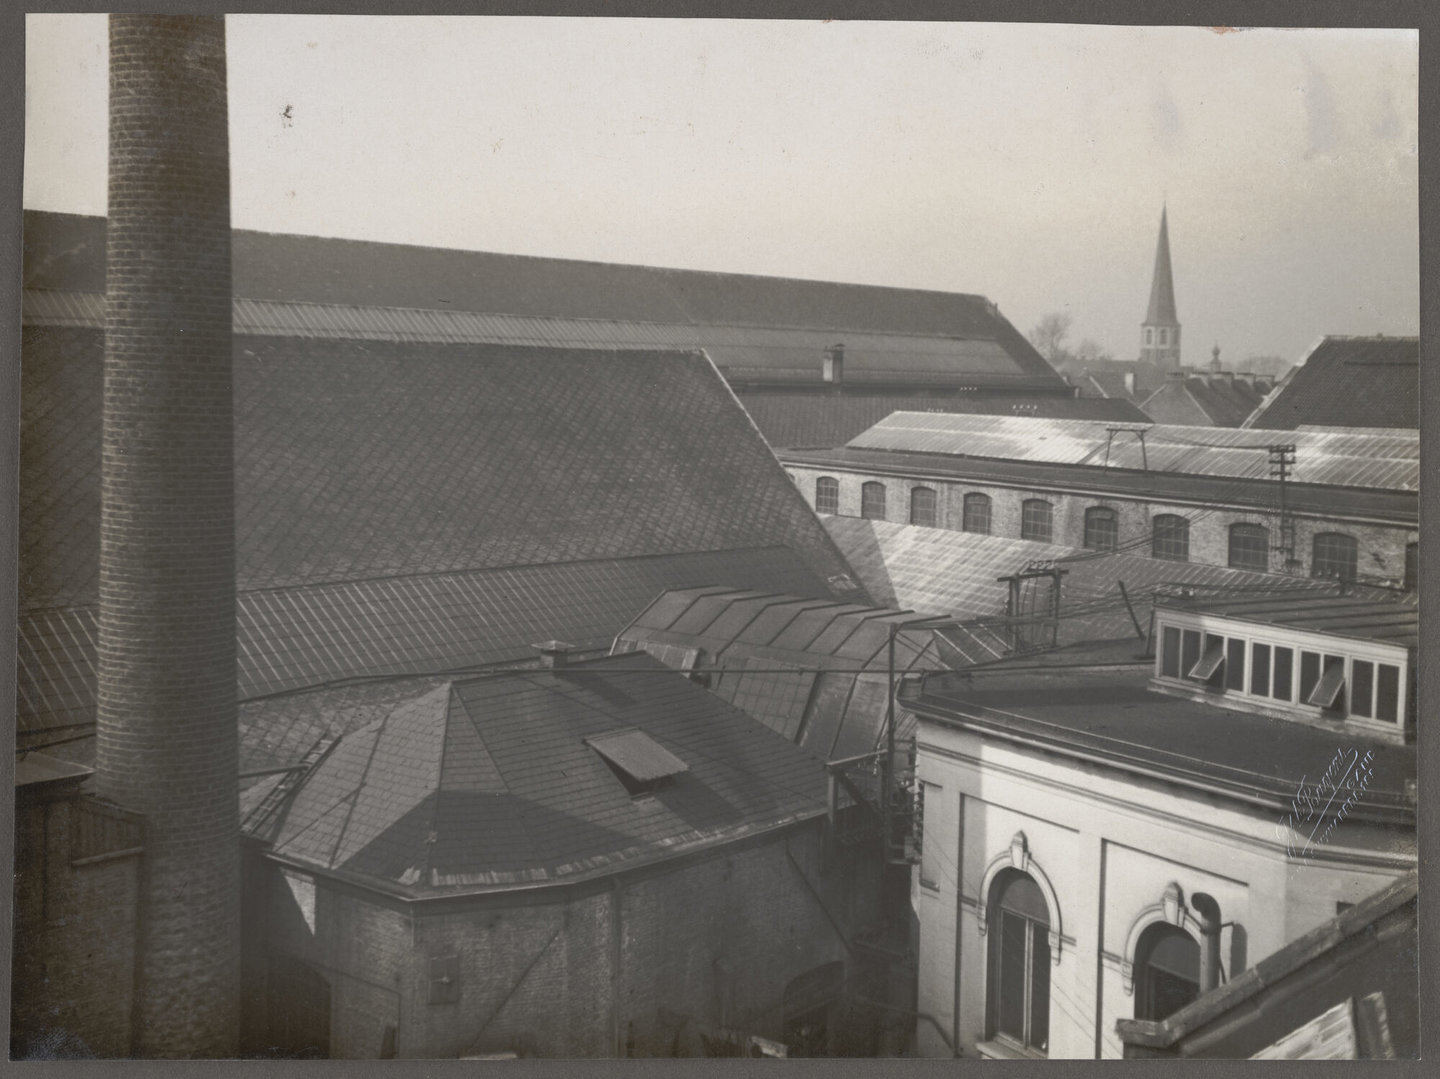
(1160,332)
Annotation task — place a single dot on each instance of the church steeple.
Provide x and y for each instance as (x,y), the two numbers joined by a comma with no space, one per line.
(1160,332)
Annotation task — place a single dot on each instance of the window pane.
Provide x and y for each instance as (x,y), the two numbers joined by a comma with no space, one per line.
(872,501)
(977,514)
(1260,670)
(1039,987)
(1249,547)
(1334,555)
(1010,992)
(1234,663)
(1170,652)
(1309,673)
(1329,691)
(1170,538)
(1035,520)
(922,507)
(1102,529)
(1190,653)
(1387,695)
(1284,662)
(1362,688)
(1208,667)
(827,495)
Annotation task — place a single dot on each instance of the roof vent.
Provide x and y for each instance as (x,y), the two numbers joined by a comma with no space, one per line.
(834,364)
(553,654)
(638,761)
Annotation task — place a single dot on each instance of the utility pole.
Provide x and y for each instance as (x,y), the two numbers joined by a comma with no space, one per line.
(1282,461)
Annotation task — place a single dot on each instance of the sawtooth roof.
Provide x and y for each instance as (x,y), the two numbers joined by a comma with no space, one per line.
(489,782)
(1348,381)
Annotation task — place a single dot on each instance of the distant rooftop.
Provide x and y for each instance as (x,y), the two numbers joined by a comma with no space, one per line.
(1350,381)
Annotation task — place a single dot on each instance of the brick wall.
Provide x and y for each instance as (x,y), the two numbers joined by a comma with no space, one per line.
(709,942)
(166,730)
(74,934)
(1381,547)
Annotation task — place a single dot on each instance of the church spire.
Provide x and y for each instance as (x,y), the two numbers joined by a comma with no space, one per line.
(1160,333)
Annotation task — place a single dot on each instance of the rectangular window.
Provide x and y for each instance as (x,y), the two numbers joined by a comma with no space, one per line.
(1362,688)
(1208,668)
(827,495)
(1260,670)
(1309,674)
(1235,663)
(872,501)
(1387,693)
(1035,520)
(1284,664)
(1329,691)
(1190,650)
(1170,652)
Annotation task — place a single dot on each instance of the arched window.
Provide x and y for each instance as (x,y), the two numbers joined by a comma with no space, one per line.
(1102,528)
(1149,335)
(922,507)
(1334,555)
(1167,971)
(1035,520)
(872,501)
(1170,538)
(1249,547)
(977,514)
(1018,998)
(827,495)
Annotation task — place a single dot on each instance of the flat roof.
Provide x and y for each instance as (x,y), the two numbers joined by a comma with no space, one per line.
(1114,716)
(1358,617)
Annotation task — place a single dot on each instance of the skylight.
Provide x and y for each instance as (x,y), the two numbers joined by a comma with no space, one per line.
(638,761)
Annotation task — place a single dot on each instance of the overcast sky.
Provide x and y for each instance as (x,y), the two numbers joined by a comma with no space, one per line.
(1026,163)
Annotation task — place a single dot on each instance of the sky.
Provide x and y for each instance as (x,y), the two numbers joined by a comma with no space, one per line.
(1027,163)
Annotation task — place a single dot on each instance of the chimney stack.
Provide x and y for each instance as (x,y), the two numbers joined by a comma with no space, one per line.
(834,364)
(554,655)
(166,737)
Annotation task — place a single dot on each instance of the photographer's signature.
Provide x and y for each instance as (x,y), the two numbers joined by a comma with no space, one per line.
(1320,805)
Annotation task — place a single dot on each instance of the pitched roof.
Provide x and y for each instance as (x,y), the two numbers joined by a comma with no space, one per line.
(1201,402)
(1161,311)
(824,419)
(364,460)
(1348,381)
(491,782)
(757,327)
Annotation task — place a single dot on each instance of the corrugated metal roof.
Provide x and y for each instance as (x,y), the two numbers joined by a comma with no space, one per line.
(498,781)
(290,638)
(1348,460)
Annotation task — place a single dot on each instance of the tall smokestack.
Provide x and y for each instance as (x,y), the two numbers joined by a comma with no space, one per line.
(166,744)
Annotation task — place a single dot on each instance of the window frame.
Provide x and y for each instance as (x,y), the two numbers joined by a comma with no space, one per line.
(1349,570)
(1033,930)
(868,490)
(1164,544)
(1028,529)
(830,487)
(1145,988)
(1095,514)
(915,497)
(971,507)
(1239,528)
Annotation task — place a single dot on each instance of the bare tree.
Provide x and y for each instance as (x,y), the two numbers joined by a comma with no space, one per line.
(1048,336)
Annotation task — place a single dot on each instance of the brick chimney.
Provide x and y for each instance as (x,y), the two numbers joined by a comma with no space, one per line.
(166,741)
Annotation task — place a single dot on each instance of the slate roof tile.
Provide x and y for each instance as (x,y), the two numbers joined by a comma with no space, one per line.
(1350,382)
